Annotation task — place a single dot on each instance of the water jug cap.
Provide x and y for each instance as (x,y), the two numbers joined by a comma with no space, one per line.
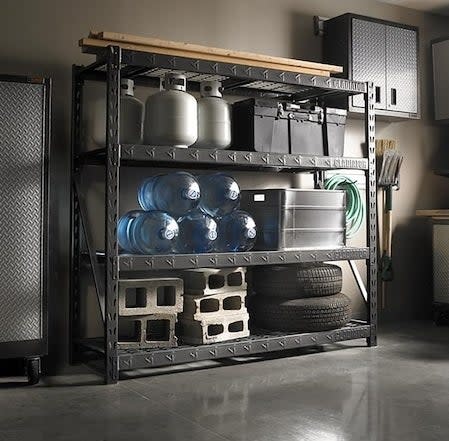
(251,233)
(192,192)
(167,233)
(175,81)
(211,88)
(127,86)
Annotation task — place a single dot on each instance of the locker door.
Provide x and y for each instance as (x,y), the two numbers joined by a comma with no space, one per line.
(369,59)
(21,215)
(402,69)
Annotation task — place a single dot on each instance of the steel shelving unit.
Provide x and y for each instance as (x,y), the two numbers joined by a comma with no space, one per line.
(108,266)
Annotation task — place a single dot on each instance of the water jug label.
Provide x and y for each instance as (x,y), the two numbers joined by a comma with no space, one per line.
(212,235)
(259,198)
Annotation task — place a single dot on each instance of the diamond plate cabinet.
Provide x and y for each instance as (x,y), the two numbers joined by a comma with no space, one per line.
(24,139)
(386,53)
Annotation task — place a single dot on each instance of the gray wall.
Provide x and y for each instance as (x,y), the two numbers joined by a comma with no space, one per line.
(41,38)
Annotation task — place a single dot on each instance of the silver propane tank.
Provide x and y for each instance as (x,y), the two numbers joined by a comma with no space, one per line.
(214,117)
(171,114)
(131,116)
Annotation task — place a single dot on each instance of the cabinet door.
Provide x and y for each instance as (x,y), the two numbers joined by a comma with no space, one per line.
(440,57)
(21,201)
(402,69)
(368,59)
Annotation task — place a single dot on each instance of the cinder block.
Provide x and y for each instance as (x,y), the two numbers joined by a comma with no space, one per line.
(150,331)
(214,281)
(197,307)
(150,296)
(214,329)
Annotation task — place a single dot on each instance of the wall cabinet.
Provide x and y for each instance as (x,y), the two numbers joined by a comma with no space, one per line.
(383,52)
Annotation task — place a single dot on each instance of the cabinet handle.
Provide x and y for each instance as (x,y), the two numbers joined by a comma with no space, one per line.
(377,94)
(394,97)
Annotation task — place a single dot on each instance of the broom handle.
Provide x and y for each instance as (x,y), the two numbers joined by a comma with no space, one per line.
(388,220)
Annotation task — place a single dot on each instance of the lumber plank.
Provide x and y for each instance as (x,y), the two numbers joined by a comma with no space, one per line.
(157,42)
(433,213)
(92,42)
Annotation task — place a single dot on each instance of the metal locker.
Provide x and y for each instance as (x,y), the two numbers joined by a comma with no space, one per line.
(24,140)
(402,69)
(369,59)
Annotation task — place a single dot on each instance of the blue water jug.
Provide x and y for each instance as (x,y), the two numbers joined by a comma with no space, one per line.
(153,232)
(175,193)
(123,230)
(220,194)
(237,232)
(197,233)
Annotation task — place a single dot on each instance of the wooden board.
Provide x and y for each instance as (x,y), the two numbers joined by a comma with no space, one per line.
(442,213)
(228,53)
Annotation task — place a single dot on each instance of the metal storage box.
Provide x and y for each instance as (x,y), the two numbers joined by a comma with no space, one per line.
(292,218)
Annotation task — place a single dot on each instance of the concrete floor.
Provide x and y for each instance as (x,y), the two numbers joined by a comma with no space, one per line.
(398,391)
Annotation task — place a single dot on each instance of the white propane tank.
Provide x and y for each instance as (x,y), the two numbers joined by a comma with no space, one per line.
(171,114)
(214,117)
(131,117)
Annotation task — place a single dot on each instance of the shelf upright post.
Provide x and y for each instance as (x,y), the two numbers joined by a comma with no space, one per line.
(75,220)
(111,213)
(371,215)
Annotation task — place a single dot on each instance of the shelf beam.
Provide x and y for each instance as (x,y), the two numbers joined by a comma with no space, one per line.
(222,260)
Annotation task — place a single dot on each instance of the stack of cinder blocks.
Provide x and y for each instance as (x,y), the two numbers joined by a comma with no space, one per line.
(148,312)
(214,306)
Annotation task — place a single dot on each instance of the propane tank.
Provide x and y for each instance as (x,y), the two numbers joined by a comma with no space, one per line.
(131,117)
(214,117)
(171,114)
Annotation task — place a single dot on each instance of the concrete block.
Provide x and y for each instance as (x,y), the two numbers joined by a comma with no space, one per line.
(150,296)
(214,329)
(149,331)
(197,307)
(207,281)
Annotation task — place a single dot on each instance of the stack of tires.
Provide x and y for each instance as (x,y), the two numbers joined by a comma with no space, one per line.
(299,298)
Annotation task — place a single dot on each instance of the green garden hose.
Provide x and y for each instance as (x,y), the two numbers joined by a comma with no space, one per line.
(355,207)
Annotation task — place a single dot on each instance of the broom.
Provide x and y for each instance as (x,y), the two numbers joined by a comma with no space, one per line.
(390,161)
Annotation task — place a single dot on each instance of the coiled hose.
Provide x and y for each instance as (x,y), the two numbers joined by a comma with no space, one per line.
(355,206)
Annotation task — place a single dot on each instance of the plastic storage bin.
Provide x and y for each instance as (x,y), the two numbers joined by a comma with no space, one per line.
(334,131)
(292,218)
(260,125)
(305,130)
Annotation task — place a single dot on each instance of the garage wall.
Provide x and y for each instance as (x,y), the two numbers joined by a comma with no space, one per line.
(41,38)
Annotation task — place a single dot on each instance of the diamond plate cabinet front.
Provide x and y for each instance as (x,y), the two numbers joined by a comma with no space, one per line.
(24,139)
(383,52)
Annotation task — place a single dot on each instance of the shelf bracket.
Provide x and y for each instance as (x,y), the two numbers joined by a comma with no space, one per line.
(358,279)
(96,272)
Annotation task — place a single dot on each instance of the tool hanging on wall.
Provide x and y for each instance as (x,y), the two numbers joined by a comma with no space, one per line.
(390,161)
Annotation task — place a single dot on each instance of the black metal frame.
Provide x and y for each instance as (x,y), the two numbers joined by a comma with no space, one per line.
(38,347)
(111,63)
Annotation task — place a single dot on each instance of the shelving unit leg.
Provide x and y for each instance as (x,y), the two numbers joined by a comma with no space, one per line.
(371,204)
(75,228)
(111,195)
